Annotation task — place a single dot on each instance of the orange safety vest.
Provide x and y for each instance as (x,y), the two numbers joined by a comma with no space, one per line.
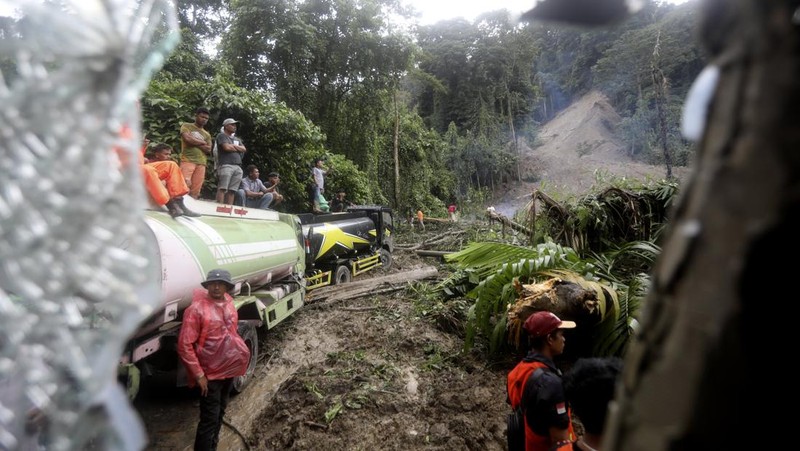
(517,379)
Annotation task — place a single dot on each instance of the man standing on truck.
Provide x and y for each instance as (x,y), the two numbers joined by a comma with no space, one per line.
(318,202)
(195,149)
(212,352)
(229,164)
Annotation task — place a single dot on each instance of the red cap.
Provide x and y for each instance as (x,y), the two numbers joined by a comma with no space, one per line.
(542,323)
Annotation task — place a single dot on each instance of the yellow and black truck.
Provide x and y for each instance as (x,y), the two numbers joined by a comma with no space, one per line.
(340,246)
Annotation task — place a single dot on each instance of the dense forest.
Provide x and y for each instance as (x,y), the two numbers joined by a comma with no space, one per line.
(407,115)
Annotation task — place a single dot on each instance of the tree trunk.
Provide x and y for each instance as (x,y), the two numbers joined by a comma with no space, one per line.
(513,132)
(493,215)
(396,152)
(346,291)
(660,85)
(690,382)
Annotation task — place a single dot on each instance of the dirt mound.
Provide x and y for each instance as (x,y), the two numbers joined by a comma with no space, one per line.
(585,129)
(578,149)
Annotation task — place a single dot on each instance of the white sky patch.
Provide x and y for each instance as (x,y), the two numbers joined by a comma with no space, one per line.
(435,10)
(8,8)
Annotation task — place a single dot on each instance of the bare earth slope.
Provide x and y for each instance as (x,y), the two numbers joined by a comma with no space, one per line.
(579,147)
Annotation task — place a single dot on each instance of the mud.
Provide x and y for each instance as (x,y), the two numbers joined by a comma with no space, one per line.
(374,372)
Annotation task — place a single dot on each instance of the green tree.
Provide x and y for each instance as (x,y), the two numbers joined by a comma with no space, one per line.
(334,60)
(278,138)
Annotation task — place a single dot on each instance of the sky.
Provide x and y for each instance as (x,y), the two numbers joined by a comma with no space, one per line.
(436,10)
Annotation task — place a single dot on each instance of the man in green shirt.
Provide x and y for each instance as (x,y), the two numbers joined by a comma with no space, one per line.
(195,148)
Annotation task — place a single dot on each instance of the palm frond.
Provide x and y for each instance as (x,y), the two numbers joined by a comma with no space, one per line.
(611,337)
(485,256)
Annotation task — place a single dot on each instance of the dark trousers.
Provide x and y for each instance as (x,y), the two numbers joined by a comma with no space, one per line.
(212,409)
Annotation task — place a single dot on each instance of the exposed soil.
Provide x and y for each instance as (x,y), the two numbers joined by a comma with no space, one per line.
(383,371)
(577,151)
(375,372)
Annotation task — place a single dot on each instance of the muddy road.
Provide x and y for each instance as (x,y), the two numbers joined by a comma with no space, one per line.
(383,371)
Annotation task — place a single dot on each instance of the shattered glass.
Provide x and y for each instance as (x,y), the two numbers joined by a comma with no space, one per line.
(75,275)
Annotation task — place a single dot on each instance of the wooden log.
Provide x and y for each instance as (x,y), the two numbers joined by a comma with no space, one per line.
(439,220)
(375,285)
(436,239)
(492,214)
(427,253)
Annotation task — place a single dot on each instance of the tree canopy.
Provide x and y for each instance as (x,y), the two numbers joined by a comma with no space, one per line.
(426,115)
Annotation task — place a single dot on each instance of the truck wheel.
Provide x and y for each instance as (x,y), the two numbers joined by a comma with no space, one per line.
(342,275)
(249,334)
(386,259)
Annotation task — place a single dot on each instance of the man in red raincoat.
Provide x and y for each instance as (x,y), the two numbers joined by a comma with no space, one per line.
(212,352)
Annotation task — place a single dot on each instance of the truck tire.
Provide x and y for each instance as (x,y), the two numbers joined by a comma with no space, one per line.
(342,275)
(386,259)
(249,334)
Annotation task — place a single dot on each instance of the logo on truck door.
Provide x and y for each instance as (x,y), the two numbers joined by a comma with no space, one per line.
(333,235)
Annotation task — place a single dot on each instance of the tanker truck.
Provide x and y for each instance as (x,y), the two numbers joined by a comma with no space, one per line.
(340,246)
(265,252)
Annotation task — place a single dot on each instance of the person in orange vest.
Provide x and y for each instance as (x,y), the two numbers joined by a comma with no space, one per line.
(535,384)
(164,180)
(420,216)
(162,177)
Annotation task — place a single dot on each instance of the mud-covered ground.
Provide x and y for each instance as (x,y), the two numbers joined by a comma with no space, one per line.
(384,371)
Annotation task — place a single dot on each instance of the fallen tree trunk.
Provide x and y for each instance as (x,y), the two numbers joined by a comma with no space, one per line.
(427,253)
(376,285)
(508,222)
(436,239)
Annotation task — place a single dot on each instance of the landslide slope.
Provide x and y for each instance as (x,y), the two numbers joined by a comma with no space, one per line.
(576,151)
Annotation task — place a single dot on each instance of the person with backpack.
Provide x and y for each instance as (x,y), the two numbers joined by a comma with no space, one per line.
(541,419)
(316,188)
(212,352)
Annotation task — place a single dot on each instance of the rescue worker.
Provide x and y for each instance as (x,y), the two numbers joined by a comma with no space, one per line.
(213,353)
(164,181)
(536,384)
